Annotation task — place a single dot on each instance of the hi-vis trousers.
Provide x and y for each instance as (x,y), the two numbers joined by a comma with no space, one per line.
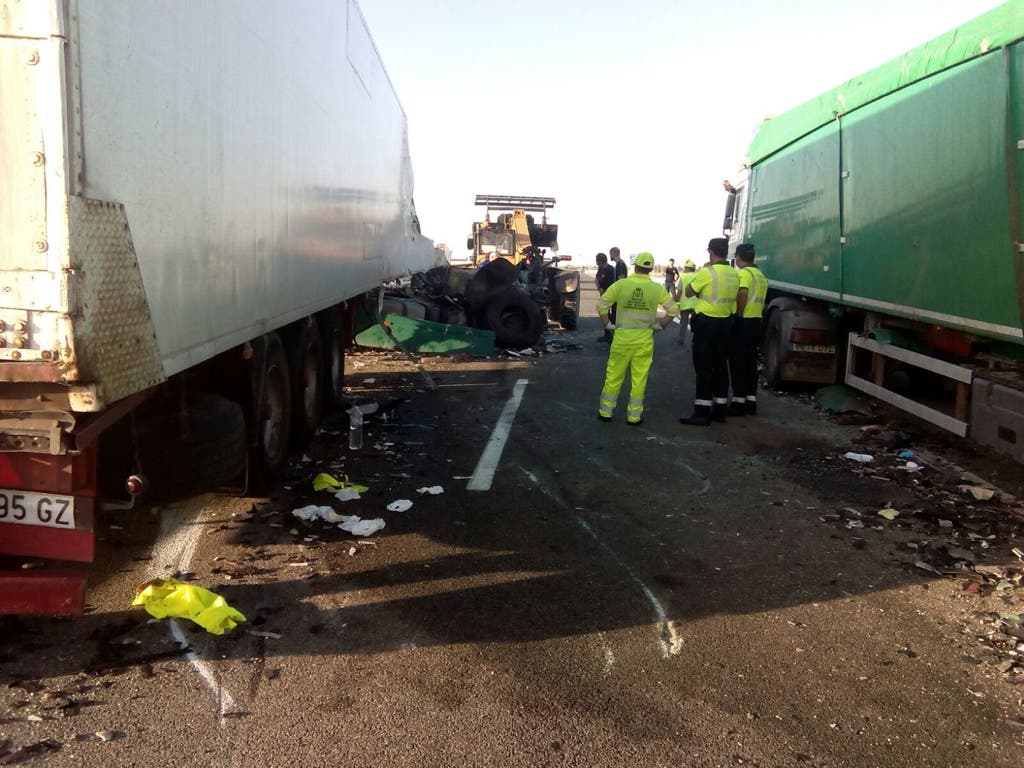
(635,355)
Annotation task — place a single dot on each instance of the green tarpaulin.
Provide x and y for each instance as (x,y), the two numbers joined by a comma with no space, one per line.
(424,336)
(992,31)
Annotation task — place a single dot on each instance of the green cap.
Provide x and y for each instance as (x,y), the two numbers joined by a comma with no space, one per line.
(644,259)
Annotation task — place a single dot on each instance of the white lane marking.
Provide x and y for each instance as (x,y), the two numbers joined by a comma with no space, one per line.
(176,544)
(483,475)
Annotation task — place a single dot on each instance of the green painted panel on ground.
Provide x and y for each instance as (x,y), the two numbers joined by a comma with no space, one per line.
(424,336)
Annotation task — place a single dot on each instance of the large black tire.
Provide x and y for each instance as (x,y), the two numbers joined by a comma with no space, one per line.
(199,450)
(516,319)
(306,365)
(268,458)
(772,350)
(332,336)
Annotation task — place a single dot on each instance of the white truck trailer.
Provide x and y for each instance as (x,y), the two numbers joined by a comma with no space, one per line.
(190,194)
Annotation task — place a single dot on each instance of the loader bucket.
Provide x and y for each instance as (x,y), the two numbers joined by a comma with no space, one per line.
(544,236)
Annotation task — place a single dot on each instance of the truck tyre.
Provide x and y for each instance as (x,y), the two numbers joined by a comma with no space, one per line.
(516,319)
(306,364)
(772,350)
(332,337)
(269,456)
(569,319)
(201,449)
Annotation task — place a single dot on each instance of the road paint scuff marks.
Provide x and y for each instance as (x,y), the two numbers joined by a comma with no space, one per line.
(175,547)
(609,657)
(671,642)
(483,475)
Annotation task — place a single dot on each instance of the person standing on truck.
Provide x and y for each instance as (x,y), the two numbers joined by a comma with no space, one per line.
(686,304)
(746,332)
(637,299)
(715,287)
(603,281)
(671,278)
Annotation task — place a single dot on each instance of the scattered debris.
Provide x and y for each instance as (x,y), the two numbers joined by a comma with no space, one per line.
(862,458)
(977,492)
(432,490)
(888,514)
(838,398)
(400,505)
(164,598)
(359,527)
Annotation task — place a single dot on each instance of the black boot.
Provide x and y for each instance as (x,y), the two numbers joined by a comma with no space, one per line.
(718,411)
(751,407)
(701,417)
(737,408)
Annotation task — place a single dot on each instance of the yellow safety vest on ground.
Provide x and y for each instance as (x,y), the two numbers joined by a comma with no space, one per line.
(756,283)
(716,286)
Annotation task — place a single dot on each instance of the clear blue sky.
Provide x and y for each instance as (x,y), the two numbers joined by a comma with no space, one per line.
(629,113)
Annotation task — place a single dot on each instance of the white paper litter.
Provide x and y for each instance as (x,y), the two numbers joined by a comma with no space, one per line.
(312,512)
(401,505)
(863,458)
(433,490)
(359,527)
(346,494)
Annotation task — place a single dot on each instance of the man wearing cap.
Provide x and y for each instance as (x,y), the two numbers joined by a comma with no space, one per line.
(753,287)
(686,304)
(636,300)
(715,287)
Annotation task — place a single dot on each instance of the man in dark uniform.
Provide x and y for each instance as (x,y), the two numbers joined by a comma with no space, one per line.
(715,287)
(603,281)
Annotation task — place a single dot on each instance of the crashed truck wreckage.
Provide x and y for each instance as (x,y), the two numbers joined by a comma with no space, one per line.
(512,289)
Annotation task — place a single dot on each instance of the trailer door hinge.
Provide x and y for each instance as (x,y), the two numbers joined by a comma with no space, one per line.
(842,241)
(1020,247)
(1020,144)
(845,174)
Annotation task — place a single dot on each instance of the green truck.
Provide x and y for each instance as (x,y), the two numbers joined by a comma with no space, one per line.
(887,215)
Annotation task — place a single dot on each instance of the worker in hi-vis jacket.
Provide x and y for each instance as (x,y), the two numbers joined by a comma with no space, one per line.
(636,300)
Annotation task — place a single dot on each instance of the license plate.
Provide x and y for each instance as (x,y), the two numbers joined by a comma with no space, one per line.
(46,509)
(826,349)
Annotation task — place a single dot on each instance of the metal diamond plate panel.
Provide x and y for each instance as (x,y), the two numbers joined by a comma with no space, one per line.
(112,344)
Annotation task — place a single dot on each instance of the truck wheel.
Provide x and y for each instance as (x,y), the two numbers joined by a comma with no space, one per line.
(569,319)
(269,456)
(332,337)
(773,350)
(306,364)
(516,319)
(201,449)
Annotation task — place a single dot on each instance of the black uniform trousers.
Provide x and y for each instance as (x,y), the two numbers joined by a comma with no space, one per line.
(712,339)
(743,359)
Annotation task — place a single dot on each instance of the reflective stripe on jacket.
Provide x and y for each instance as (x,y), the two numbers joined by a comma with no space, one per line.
(756,283)
(716,286)
(637,299)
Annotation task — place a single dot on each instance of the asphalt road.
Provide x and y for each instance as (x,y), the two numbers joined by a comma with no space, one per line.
(620,596)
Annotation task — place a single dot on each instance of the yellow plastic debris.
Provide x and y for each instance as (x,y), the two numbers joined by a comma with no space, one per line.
(169,597)
(889,513)
(325,482)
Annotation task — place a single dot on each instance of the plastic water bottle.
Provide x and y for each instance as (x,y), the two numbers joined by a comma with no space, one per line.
(355,429)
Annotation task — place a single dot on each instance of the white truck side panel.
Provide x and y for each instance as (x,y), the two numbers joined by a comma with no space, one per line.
(257,147)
